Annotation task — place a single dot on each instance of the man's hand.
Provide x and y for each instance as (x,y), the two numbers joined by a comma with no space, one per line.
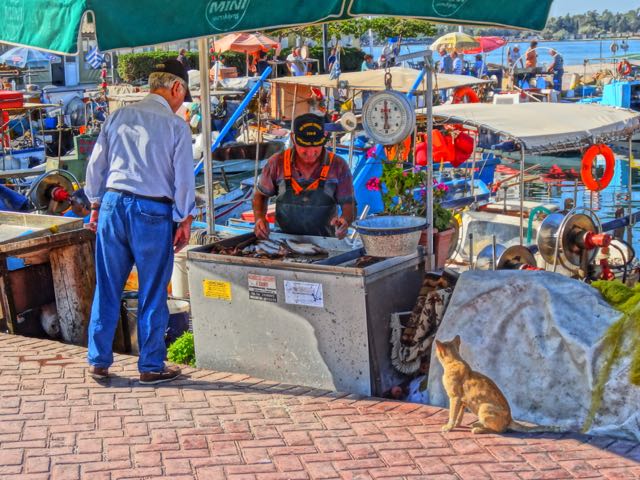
(183,234)
(261,228)
(341,225)
(93,219)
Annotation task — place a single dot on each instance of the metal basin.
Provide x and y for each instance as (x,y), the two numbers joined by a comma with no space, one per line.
(390,236)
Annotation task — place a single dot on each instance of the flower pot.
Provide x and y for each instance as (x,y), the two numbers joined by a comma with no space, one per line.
(441,244)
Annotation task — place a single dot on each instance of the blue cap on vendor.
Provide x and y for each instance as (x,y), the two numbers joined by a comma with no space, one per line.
(312,187)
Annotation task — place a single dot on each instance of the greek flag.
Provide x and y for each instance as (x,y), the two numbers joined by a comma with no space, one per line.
(94,58)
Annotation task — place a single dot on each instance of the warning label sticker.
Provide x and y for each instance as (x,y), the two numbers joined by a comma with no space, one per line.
(217,289)
(263,288)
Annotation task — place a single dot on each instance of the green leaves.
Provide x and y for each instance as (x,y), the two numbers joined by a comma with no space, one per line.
(182,351)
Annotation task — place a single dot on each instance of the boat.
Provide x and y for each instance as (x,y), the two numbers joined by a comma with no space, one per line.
(539,128)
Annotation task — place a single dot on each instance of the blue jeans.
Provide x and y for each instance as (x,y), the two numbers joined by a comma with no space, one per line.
(132,230)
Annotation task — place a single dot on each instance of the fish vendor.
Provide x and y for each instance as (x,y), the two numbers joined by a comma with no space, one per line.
(308,183)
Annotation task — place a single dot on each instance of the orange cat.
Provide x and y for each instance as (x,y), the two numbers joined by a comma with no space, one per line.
(476,392)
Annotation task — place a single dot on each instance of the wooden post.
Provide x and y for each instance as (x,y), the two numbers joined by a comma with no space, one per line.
(74,280)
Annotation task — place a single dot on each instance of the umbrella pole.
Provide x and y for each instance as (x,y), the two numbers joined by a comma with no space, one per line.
(205,110)
(429,73)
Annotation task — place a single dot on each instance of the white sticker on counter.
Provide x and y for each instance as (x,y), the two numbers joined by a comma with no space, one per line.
(303,293)
(262,287)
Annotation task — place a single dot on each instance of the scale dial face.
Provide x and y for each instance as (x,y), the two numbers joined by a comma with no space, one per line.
(388,117)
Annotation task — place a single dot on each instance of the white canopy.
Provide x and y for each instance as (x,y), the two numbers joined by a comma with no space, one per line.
(545,127)
(402,80)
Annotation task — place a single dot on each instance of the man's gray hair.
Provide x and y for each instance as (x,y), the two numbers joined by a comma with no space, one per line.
(159,80)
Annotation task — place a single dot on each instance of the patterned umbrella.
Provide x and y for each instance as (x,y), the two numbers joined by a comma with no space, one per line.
(487,44)
(22,57)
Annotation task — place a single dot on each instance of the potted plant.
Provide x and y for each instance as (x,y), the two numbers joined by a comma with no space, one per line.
(403,193)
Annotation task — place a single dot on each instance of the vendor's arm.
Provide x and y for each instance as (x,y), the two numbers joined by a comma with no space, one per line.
(265,189)
(345,197)
(261,227)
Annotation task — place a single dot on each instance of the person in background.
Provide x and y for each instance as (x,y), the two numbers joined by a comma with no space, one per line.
(294,60)
(142,190)
(514,57)
(182,58)
(531,55)
(331,60)
(367,64)
(479,69)
(457,63)
(557,68)
(446,62)
(262,63)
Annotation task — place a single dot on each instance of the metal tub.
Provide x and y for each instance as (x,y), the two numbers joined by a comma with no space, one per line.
(323,325)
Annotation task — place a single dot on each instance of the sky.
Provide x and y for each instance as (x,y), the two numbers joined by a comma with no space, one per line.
(561,7)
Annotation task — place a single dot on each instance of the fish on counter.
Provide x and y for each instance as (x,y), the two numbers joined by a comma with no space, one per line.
(288,250)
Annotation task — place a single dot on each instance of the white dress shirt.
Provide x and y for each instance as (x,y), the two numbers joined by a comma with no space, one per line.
(145,149)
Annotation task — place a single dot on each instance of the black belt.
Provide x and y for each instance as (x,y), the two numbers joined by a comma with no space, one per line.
(166,200)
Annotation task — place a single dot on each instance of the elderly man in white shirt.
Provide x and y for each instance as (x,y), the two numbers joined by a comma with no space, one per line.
(140,181)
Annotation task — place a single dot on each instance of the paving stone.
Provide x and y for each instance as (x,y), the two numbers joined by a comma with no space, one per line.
(56,422)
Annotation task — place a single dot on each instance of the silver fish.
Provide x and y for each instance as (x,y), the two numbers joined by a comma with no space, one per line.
(305,248)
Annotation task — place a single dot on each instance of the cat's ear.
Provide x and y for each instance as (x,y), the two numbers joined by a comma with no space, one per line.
(456,342)
(440,347)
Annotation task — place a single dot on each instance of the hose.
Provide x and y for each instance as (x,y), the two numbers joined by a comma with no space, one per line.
(532,215)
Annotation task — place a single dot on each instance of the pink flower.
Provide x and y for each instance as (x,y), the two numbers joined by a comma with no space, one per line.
(442,187)
(371,152)
(405,174)
(373,184)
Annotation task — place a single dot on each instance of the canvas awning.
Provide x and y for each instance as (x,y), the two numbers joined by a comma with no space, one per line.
(54,24)
(403,80)
(545,127)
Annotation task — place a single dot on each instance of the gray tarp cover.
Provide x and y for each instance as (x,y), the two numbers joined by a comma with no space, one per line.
(537,335)
(545,126)
(402,80)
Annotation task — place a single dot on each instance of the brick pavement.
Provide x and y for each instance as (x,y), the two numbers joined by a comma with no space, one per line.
(57,422)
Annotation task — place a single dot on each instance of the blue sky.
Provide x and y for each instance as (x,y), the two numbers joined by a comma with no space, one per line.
(560,7)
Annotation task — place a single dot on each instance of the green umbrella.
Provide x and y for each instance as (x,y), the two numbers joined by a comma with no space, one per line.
(54,25)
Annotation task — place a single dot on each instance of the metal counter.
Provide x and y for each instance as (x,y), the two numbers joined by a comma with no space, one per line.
(323,325)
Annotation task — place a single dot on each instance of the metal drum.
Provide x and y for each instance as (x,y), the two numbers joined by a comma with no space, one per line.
(564,233)
(512,258)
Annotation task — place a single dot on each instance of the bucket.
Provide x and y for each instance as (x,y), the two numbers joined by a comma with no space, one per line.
(178,319)
(126,339)
(390,236)
(179,278)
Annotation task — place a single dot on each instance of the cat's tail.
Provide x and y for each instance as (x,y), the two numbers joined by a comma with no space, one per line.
(522,428)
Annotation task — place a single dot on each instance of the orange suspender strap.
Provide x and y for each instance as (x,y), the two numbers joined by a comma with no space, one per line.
(291,182)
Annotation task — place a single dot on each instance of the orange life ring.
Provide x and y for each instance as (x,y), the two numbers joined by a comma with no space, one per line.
(593,184)
(624,68)
(465,93)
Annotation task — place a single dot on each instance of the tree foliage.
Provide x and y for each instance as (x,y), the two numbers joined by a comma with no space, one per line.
(590,24)
(382,27)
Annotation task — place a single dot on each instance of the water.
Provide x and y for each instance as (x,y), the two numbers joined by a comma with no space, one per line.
(573,51)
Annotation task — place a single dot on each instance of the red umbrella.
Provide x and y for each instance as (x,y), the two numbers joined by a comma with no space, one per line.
(487,44)
(249,43)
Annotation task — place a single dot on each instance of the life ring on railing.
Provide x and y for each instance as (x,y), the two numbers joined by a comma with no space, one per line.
(465,95)
(624,68)
(586,173)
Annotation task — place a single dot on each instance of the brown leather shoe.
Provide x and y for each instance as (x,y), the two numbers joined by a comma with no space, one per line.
(170,372)
(99,373)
